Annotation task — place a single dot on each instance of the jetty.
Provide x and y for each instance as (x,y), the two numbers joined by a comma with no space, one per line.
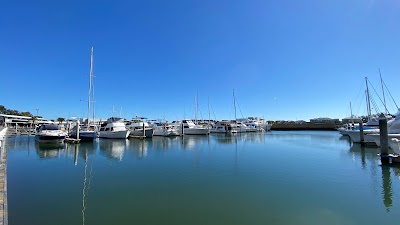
(3,178)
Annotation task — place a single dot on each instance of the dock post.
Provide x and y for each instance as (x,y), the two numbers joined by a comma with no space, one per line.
(77,129)
(361,125)
(383,134)
(183,129)
(144,130)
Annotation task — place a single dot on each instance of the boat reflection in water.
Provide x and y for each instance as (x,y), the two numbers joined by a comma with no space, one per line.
(240,137)
(139,146)
(165,143)
(113,148)
(49,150)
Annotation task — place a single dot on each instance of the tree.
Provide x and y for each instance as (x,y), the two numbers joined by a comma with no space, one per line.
(60,119)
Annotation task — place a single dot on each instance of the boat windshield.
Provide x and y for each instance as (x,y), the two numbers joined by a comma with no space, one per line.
(50,127)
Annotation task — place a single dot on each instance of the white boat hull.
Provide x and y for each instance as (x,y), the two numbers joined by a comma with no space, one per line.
(194,131)
(139,132)
(49,139)
(169,132)
(123,134)
(355,135)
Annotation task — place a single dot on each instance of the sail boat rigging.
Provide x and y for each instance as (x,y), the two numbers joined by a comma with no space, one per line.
(89,132)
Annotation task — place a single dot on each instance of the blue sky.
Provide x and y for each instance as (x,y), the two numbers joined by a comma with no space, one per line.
(285,59)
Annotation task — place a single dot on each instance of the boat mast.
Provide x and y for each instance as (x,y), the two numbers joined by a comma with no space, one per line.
(234,103)
(368,99)
(90,85)
(195,109)
(197,106)
(209,115)
(92,81)
(351,113)
(383,91)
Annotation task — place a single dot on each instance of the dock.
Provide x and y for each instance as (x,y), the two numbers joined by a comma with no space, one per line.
(3,178)
(139,137)
(72,140)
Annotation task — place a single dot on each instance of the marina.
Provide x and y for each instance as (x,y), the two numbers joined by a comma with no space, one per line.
(279,177)
(199,112)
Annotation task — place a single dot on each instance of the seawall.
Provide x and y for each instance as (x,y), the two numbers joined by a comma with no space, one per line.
(305,126)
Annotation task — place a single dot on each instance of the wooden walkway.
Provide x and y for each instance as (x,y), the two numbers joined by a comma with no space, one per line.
(3,179)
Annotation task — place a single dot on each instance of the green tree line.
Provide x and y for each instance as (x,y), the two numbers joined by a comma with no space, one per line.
(4,110)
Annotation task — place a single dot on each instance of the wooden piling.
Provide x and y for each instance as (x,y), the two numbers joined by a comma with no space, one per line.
(361,125)
(383,133)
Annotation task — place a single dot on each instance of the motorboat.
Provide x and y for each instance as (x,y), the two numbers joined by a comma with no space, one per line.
(165,130)
(189,128)
(85,133)
(50,133)
(224,127)
(114,129)
(136,126)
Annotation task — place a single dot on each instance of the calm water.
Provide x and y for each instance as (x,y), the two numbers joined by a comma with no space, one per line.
(272,178)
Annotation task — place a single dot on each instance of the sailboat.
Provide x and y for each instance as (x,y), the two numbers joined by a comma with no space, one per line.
(89,131)
(373,123)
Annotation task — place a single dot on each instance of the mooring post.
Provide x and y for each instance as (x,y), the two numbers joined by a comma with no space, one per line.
(383,133)
(361,125)
(144,130)
(183,129)
(77,129)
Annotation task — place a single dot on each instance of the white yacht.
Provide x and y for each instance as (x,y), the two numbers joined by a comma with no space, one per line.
(255,124)
(165,130)
(242,127)
(114,129)
(224,127)
(372,135)
(50,133)
(86,133)
(136,128)
(189,128)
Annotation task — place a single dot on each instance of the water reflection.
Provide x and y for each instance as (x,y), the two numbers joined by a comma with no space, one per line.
(140,147)
(164,143)
(86,151)
(48,150)
(387,193)
(113,149)
(370,161)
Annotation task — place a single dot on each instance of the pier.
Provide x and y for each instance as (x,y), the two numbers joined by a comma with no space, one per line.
(3,178)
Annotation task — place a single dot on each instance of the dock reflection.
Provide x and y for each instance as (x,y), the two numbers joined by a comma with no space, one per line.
(140,147)
(370,161)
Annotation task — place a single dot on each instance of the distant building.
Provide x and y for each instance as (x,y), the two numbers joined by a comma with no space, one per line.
(324,120)
(351,120)
(12,120)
